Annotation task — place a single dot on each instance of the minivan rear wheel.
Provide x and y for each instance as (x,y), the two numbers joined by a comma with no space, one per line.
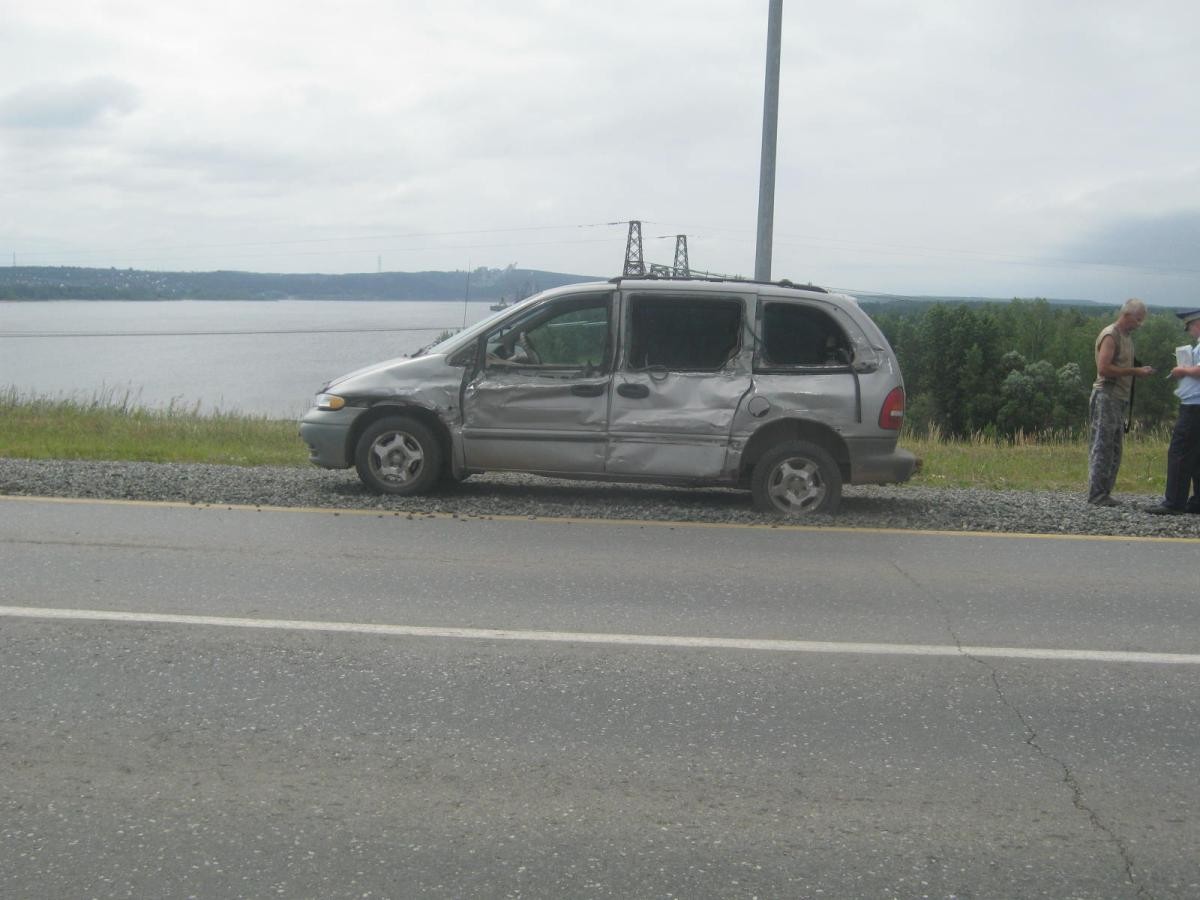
(796,479)
(398,455)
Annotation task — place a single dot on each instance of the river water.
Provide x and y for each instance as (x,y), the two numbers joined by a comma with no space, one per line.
(262,358)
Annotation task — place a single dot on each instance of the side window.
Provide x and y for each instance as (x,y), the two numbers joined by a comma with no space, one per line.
(794,335)
(683,334)
(564,337)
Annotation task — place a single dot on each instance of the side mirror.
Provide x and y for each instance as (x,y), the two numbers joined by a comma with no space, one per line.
(464,357)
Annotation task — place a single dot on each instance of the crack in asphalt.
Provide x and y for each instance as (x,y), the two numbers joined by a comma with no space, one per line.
(1069,779)
(1031,740)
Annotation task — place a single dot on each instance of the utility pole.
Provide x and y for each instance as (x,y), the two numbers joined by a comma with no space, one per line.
(766,171)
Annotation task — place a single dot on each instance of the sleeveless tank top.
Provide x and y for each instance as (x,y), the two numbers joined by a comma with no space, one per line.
(1122,356)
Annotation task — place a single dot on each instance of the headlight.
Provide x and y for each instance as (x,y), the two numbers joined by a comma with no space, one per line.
(330,401)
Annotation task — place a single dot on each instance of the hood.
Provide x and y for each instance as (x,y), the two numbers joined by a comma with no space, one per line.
(401,373)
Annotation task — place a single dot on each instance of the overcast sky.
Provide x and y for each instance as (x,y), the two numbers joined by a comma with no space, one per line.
(996,148)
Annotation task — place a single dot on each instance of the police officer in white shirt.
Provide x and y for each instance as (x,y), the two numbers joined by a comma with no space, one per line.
(1183,454)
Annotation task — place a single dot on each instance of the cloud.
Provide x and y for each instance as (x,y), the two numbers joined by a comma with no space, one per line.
(1015,149)
(1165,242)
(63,106)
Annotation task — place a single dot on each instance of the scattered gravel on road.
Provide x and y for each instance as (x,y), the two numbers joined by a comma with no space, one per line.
(895,506)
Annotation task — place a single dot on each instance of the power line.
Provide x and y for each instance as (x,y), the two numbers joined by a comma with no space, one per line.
(143,259)
(261,249)
(278,331)
(161,248)
(800,240)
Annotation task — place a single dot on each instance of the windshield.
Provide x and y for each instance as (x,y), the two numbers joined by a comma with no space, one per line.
(444,343)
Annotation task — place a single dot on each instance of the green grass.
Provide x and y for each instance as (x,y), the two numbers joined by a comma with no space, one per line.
(109,427)
(1040,462)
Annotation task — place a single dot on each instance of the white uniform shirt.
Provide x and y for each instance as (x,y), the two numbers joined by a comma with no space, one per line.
(1188,389)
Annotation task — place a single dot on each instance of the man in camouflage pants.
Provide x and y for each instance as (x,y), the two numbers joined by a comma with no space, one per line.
(1115,371)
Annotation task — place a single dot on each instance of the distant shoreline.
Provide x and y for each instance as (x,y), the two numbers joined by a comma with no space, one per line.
(64,283)
(32,283)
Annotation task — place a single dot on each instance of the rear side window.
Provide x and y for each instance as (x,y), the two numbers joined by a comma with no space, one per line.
(798,336)
(684,334)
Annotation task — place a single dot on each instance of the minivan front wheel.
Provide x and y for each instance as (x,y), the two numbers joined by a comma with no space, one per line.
(795,479)
(398,455)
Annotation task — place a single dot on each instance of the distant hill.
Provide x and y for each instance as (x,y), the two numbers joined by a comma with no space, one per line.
(77,283)
(74,283)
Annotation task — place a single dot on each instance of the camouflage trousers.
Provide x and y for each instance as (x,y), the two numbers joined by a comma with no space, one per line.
(1108,440)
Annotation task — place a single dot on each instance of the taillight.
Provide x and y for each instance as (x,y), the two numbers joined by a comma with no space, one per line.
(892,414)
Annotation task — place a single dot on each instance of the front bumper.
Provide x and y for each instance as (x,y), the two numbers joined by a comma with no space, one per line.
(327,434)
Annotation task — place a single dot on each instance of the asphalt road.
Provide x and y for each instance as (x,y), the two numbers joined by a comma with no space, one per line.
(239,703)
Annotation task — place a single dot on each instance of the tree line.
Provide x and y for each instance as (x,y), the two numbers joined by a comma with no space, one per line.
(1024,367)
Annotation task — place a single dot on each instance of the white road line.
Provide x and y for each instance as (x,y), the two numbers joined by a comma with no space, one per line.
(629,640)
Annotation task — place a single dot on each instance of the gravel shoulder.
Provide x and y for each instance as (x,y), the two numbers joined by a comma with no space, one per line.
(897,506)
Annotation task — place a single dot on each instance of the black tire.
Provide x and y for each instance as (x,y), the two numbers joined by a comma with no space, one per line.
(796,479)
(398,455)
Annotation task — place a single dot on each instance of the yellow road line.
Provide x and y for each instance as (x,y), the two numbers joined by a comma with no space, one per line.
(644,523)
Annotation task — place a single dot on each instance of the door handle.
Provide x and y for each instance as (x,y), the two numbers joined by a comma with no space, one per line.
(588,390)
(633,391)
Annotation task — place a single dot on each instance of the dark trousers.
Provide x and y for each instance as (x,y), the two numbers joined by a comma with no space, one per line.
(1183,461)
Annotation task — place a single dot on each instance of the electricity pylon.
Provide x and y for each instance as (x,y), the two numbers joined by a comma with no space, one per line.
(681,268)
(634,263)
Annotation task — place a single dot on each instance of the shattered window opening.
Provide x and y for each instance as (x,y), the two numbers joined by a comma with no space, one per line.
(695,334)
(794,335)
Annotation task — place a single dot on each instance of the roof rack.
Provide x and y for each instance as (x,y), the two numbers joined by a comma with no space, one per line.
(657,273)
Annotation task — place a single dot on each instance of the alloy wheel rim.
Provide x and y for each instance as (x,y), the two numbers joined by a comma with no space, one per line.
(796,485)
(397,457)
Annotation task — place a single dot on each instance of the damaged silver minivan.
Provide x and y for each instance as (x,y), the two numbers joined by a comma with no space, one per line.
(787,391)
